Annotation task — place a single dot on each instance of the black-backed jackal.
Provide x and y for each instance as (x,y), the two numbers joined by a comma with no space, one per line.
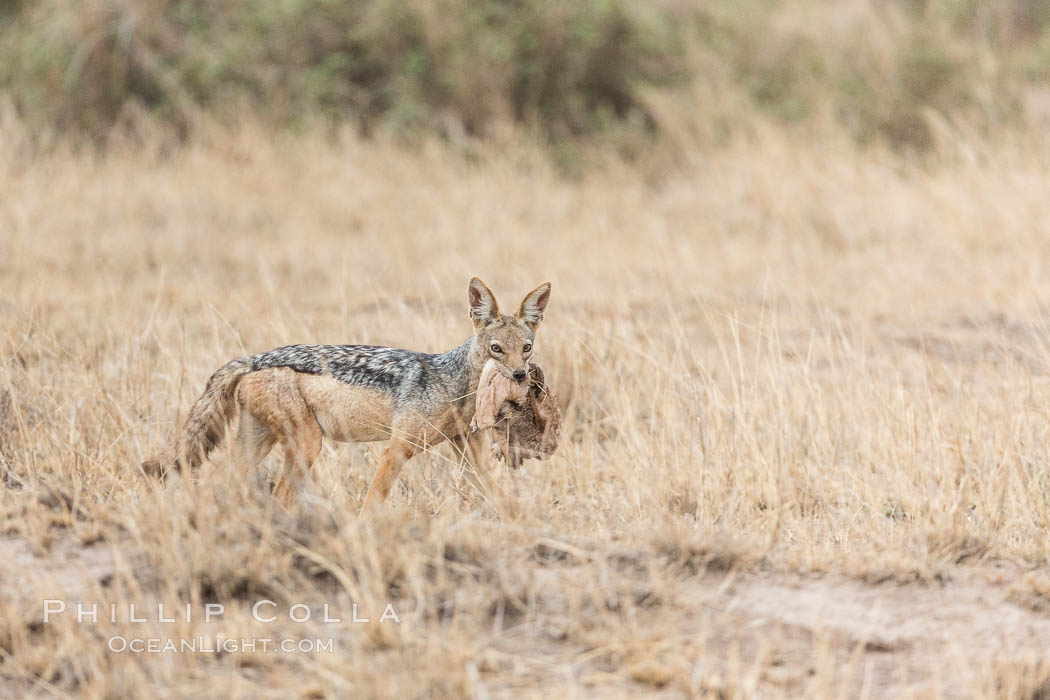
(290,397)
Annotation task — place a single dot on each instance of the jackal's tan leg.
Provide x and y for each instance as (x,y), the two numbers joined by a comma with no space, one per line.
(300,451)
(394,457)
(276,404)
(254,441)
(468,447)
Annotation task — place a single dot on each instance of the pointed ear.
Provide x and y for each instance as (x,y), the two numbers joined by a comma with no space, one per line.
(483,307)
(531,310)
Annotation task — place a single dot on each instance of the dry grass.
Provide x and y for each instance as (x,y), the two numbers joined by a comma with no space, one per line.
(805,436)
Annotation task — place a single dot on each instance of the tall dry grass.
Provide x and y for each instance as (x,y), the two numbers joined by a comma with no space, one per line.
(780,356)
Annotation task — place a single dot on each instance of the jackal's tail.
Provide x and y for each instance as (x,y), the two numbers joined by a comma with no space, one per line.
(206,426)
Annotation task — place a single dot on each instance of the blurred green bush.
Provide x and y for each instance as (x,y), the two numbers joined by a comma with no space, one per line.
(566,71)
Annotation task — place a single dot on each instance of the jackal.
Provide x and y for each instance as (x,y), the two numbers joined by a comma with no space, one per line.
(292,396)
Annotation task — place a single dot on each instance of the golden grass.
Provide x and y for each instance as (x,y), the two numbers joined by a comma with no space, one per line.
(780,363)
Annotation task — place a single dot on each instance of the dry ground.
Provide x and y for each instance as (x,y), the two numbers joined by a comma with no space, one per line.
(805,449)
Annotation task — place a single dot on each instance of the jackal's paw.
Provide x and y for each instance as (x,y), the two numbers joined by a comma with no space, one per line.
(497,453)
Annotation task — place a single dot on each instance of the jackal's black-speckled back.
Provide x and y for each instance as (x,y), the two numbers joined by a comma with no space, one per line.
(395,371)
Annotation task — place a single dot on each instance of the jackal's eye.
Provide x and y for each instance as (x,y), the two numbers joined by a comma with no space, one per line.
(527,348)
(496,348)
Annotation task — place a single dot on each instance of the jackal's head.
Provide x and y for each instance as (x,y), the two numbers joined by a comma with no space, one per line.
(505,338)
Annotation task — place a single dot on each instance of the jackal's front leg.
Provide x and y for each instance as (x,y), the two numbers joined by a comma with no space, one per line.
(469,447)
(394,457)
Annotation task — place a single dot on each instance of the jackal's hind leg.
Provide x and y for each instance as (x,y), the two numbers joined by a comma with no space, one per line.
(301,447)
(273,410)
(254,441)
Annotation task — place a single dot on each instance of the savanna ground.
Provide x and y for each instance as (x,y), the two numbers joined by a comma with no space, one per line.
(806,434)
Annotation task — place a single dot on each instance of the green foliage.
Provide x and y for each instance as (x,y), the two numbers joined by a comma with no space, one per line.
(408,64)
(569,72)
